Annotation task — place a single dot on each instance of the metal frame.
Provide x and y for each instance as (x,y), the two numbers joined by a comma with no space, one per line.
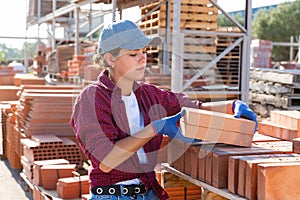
(177,84)
(244,39)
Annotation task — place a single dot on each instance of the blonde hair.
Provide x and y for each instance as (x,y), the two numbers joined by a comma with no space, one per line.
(101,62)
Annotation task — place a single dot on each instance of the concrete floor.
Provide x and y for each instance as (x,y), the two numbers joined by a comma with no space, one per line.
(12,187)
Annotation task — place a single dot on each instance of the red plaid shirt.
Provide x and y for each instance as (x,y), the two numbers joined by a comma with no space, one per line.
(99,120)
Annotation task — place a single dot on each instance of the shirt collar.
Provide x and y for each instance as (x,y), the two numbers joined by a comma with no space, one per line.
(105,81)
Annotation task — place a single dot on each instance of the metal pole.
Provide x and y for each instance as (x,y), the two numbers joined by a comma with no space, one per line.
(113,10)
(299,49)
(90,19)
(77,43)
(166,45)
(245,64)
(177,50)
(291,47)
(39,15)
(53,25)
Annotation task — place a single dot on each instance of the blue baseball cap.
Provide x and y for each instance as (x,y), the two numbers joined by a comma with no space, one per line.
(124,34)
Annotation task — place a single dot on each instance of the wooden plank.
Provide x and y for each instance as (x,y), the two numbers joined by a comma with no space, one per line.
(278,181)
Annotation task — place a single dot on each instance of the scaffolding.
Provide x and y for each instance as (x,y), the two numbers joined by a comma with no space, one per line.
(68,13)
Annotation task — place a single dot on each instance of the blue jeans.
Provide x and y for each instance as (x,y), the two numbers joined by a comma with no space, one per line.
(150,195)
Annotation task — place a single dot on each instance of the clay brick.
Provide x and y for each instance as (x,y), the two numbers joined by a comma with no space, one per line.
(275,130)
(51,173)
(278,181)
(176,153)
(217,162)
(217,127)
(286,118)
(8,93)
(72,187)
(37,178)
(283,146)
(296,145)
(251,183)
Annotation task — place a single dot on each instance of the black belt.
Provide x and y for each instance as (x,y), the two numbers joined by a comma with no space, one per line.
(129,190)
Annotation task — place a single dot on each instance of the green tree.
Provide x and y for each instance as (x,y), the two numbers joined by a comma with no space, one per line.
(31,49)
(223,21)
(278,25)
(9,54)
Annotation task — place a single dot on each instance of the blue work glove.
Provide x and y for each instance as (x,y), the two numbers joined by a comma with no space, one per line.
(168,126)
(241,109)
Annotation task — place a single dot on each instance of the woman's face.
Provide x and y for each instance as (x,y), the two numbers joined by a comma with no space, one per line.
(130,65)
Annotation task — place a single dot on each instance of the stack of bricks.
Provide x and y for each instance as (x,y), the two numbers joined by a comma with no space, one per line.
(28,79)
(73,187)
(283,124)
(12,139)
(46,112)
(76,65)
(7,75)
(215,127)
(48,147)
(5,109)
(91,71)
(198,50)
(261,53)
(251,172)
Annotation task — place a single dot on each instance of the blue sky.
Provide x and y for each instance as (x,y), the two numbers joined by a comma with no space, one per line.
(13,18)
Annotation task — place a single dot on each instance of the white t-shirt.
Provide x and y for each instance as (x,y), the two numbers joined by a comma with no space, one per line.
(134,115)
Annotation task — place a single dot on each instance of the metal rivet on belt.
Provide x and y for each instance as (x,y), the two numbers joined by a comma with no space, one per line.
(137,190)
(99,190)
(111,190)
(125,190)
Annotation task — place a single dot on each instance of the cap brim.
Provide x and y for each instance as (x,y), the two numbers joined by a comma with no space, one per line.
(141,42)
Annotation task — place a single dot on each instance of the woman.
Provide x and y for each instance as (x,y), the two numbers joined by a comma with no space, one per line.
(119,122)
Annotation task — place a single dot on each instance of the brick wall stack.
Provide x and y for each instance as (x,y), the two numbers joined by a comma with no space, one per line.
(261,53)
(46,112)
(76,65)
(48,147)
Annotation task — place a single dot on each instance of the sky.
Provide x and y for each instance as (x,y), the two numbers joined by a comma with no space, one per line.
(13,18)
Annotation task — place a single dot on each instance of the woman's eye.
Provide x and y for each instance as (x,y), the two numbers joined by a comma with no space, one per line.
(133,54)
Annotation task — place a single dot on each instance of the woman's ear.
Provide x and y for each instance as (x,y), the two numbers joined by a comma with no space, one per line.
(109,59)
